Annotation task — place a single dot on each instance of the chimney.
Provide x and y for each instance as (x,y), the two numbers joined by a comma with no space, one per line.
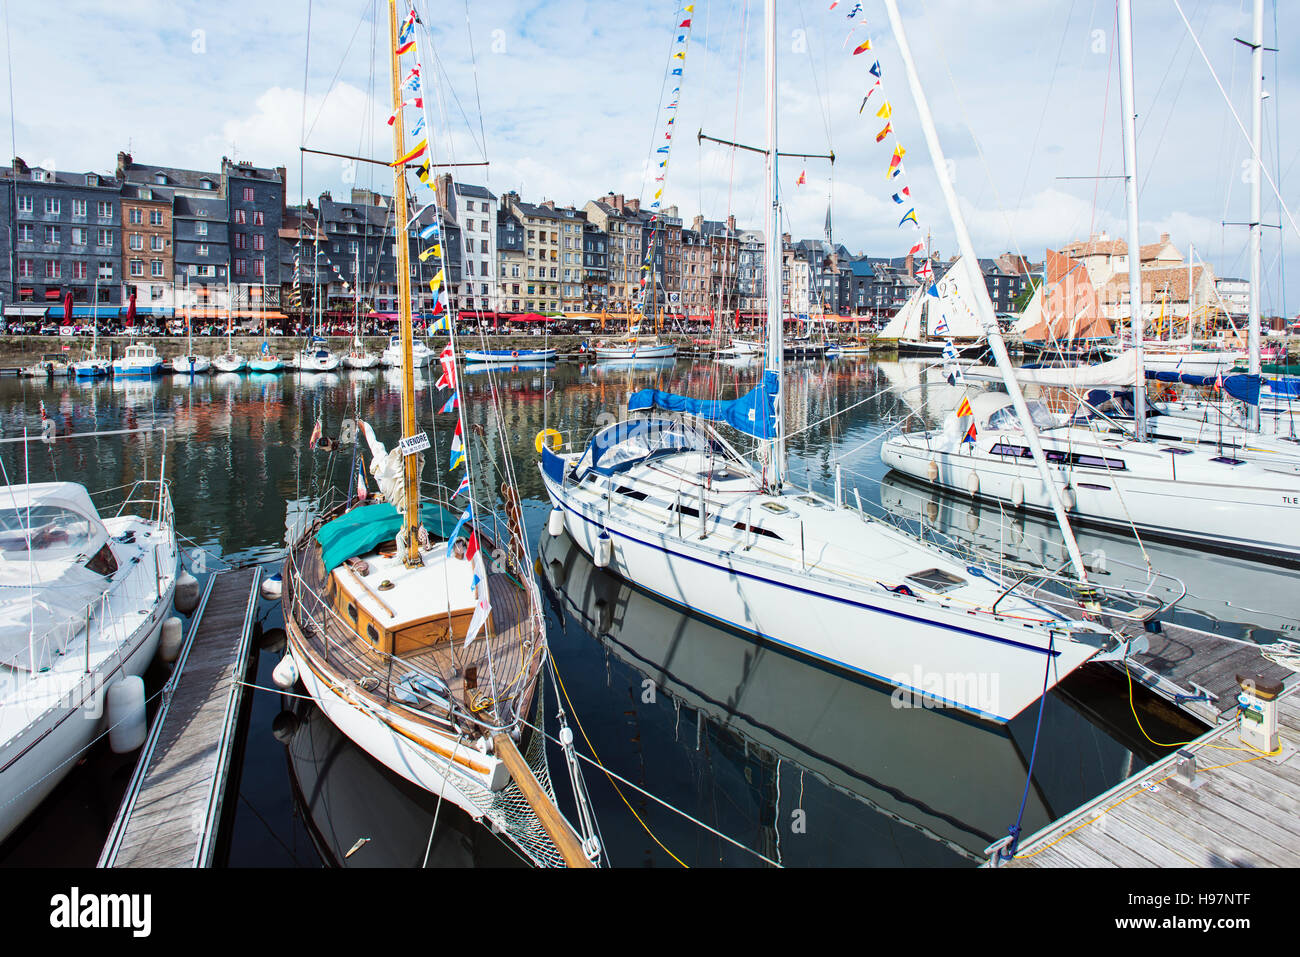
(909,265)
(785,239)
(123,161)
(549,203)
(616,200)
(697,223)
(634,205)
(731,225)
(1164,237)
(442,191)
(21,167)
(325,196)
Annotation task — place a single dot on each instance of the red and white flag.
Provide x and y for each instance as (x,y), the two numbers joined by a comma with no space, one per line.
(315,436)
(448,362)
(417,102)
(926,271)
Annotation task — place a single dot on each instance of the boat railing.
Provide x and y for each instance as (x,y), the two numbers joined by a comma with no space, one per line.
(308,606)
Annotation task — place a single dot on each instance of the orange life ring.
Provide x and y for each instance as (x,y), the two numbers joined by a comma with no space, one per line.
(514,353)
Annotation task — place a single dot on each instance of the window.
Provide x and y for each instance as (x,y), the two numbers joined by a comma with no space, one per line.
(241,242)
(105,210)
(156,243)
(137,241)
(104,238)
(25,269)
(155,217)
(259,267)
(200,229)
(241,217)
(51,234)
(259,218)
(78,269)
(241,267)
(202,249)
(105,270)
(248,194)
(52,205)
(135,216)
(137,267)
(53,269)
(24,204)
(79,209)
(79,235)
(156,268)
(25,234)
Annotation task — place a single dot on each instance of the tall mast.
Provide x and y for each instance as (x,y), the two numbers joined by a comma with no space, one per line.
(775,359)
(975,281)
(1256,172)
(1128,127)
(411,482)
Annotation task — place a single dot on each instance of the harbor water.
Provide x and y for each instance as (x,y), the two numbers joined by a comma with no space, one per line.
(721,751)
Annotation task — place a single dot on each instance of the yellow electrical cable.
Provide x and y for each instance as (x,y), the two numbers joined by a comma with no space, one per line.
(1218,747)
(578,721)
(1214,767)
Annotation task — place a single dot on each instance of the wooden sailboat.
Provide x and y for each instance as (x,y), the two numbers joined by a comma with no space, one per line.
(420,636)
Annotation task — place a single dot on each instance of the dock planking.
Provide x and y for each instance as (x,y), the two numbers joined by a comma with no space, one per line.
(1242,813)
(173,805)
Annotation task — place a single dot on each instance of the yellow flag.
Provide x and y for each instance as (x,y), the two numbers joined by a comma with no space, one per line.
(691,8)
(436,282)
(658,194)
(434,250)
(885,112)
(679,55)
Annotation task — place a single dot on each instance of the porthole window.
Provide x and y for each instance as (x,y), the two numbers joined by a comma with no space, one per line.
(372,634)
(776,508)
(352,611)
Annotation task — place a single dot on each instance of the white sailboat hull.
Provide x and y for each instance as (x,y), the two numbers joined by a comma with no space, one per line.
(191,365)
(937,656)
(636,352)
(396,743)
(1241,508)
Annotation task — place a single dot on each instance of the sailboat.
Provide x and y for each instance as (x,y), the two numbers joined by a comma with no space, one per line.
(397,628)
(359,357)
(939,314)
(1063,318)
(1178,491)
(85,593)
(90,365)
(191,362)
(664,500)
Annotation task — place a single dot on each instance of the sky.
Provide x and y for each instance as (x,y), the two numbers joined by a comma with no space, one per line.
(564,100)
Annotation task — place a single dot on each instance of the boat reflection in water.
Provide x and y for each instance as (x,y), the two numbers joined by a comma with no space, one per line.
(880,782)
(360,814)
(1225,594)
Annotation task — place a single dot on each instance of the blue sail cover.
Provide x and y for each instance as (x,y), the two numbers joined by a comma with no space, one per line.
(754,413)
(1240,385)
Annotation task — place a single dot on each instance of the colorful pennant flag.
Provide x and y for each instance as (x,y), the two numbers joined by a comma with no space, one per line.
(926,271)
(416,151)
(406,47)
(461,488)
(886,111)
(905,191)
(465,516)
(803,178)
(436,282)
(862,47)
(970,435)
(448,361)
(885,132)
(430,231)
(434,250)
(909,216)
(964,409)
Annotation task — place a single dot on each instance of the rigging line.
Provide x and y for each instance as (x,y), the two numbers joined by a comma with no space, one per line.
(1101,140)
(961,105)
(1277,148)
(478,100)
(823,102)
(1047,100)
(1149,162)
(654,126)
(1258,159)
(306,62)
(330,89)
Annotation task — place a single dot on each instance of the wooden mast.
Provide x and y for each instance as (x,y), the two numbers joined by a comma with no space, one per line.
(411,482)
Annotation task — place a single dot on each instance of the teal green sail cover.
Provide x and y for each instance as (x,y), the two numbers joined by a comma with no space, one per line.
(361,529)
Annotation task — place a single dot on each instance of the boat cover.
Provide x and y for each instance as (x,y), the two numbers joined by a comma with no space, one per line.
(1241,386)
(754,413)
(363,528)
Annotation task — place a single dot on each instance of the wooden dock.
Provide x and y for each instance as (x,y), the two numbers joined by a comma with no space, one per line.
(1198,671)
(1244,811)
(172,808)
